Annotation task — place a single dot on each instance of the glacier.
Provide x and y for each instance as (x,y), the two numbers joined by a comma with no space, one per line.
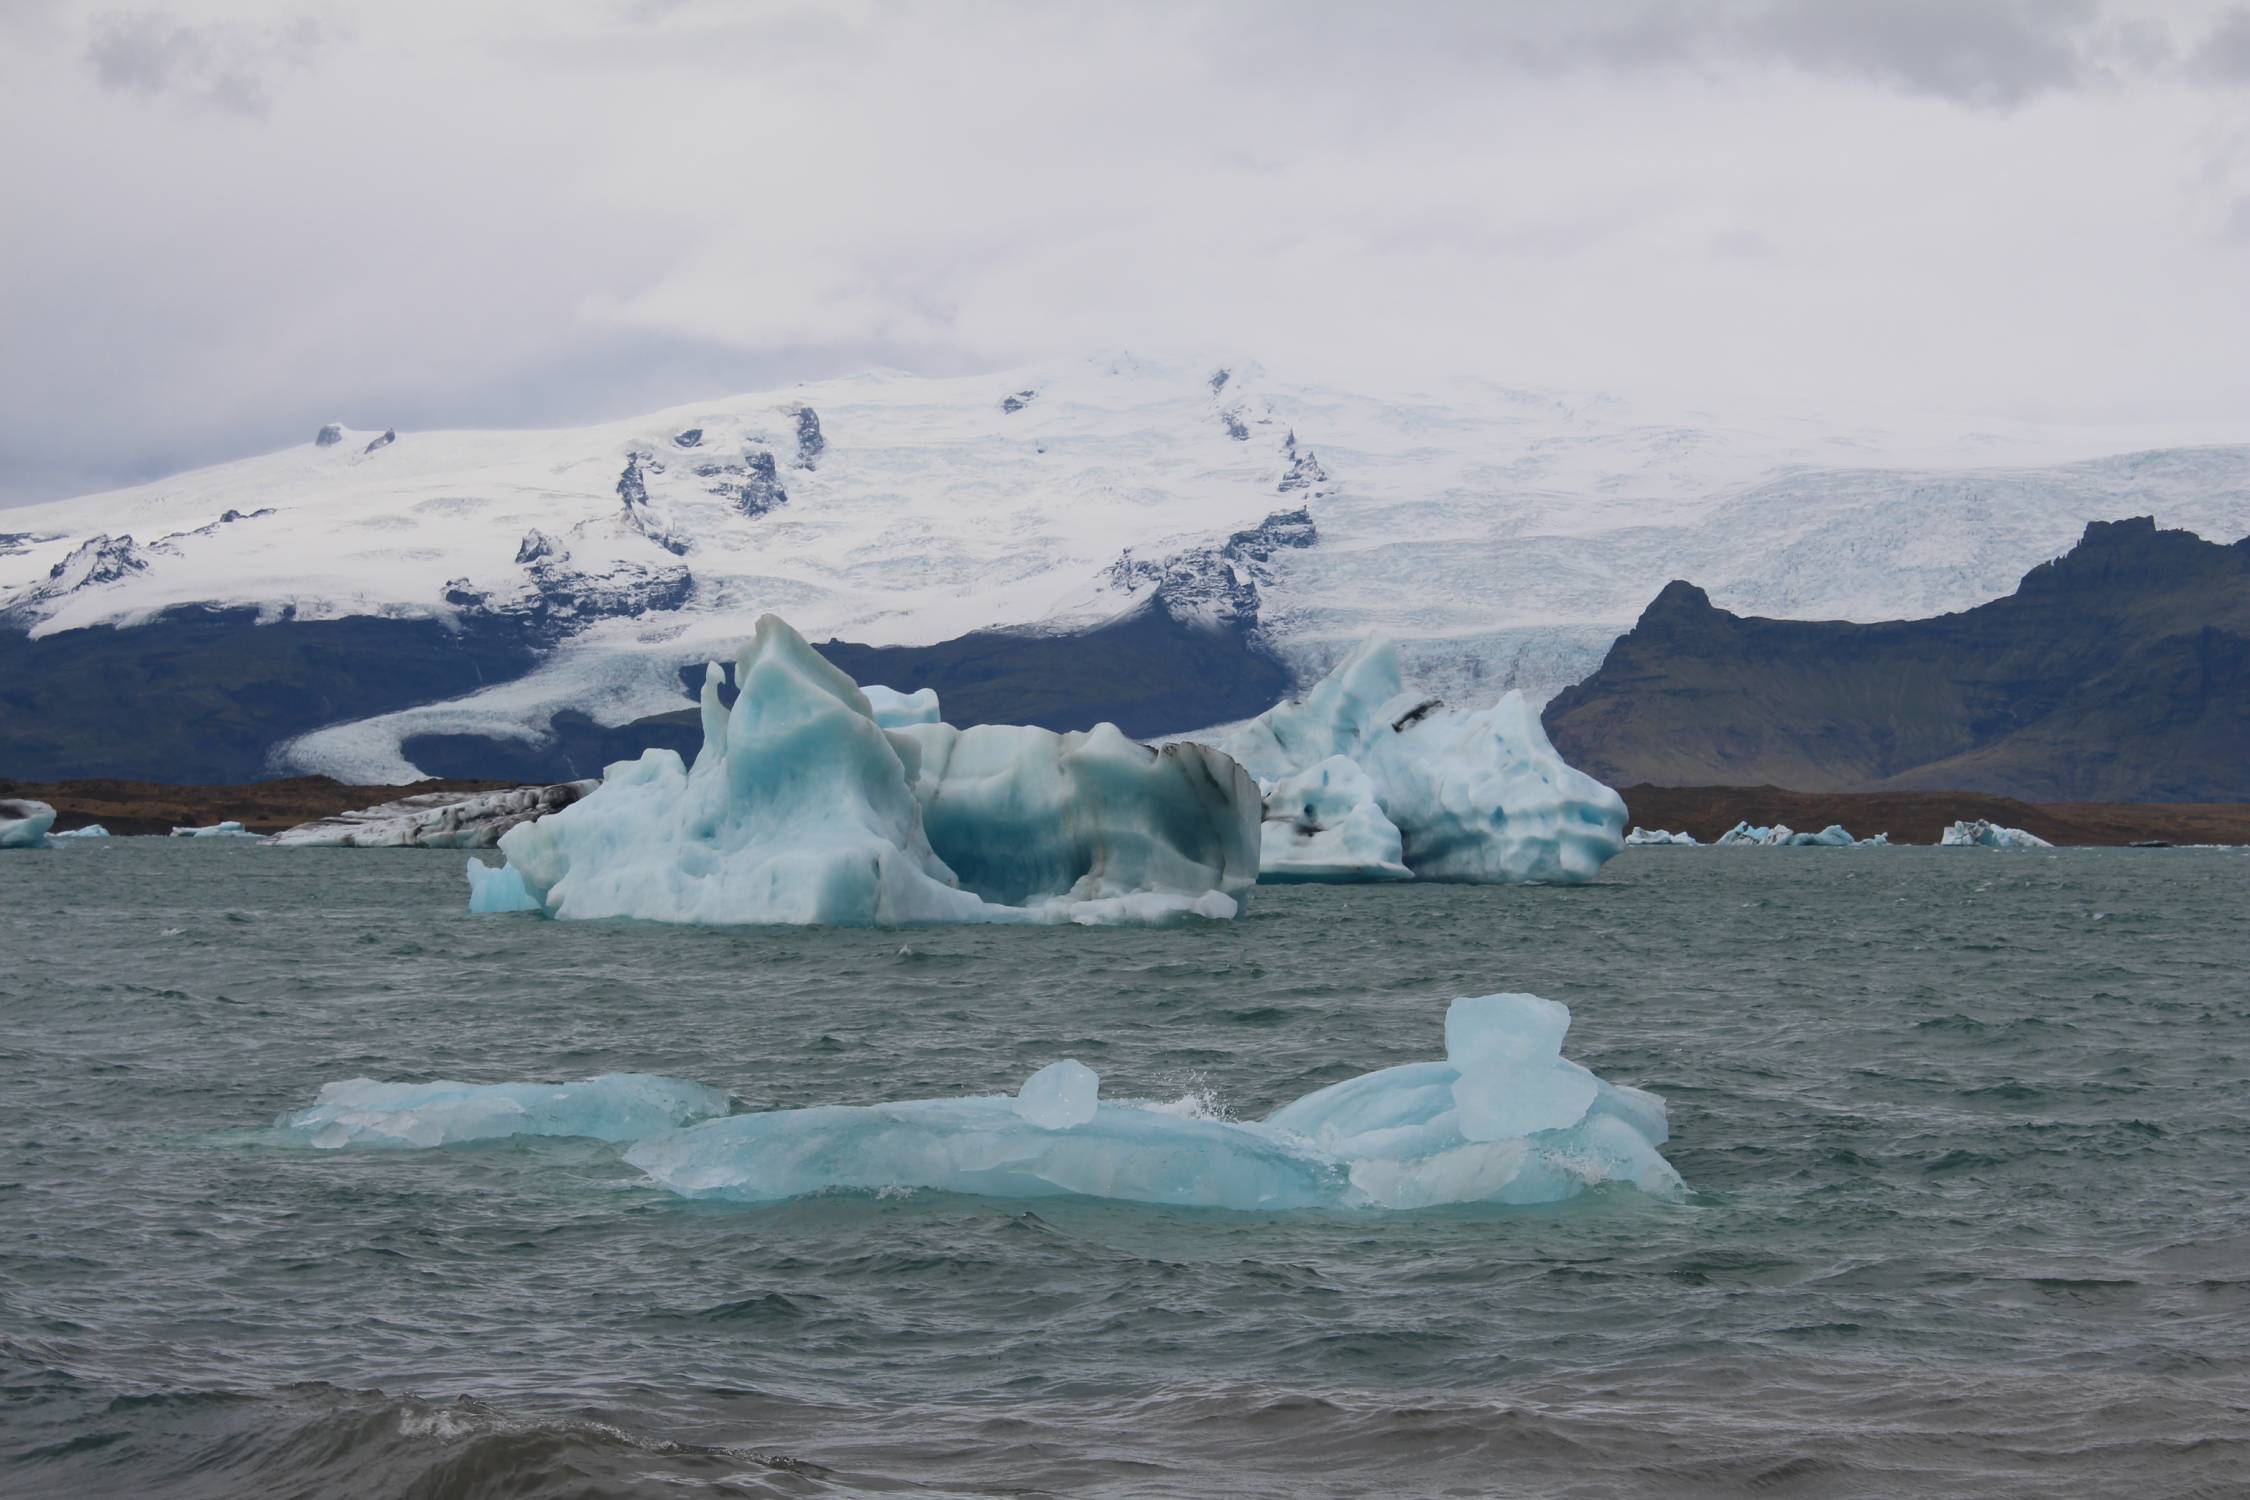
(612,1107)
(801,808)
(24,823)
(1468,796)
(435,820)
(1978,833)
(1504,1119)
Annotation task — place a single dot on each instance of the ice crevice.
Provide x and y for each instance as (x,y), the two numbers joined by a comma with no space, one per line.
(1503,1118)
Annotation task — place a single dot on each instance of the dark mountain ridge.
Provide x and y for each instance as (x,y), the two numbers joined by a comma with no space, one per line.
(2119,672)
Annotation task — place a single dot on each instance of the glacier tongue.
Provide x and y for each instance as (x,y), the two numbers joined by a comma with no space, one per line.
(802,808)
(1479,797)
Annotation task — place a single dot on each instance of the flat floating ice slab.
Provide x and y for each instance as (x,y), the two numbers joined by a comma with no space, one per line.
(227,830)
(613,1107)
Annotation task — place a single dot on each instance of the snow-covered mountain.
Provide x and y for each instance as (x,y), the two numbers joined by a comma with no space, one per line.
(1504,537)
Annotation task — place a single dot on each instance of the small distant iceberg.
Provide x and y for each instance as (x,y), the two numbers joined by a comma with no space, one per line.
(24,823)
(226,830)
(1781,835)
(90,831)
(1364,780)
(612,1107)
(1977,833)
(803,807)
(1645,837)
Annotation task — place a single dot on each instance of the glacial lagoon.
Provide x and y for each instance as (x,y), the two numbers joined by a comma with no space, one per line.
(1966,1157)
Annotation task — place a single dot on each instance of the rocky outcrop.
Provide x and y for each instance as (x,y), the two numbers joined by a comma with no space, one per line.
(1304,471)
(810,444)
(390,436)
(1217,585)
(640,515)
(2117,673)
(1021,399)
(329,436)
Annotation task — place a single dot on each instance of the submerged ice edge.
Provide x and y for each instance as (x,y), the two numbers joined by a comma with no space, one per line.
(1504,1118)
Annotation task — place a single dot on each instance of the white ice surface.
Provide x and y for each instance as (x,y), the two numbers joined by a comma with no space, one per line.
(90,831)
(896,710)
(1781,835)
(1324,824)
(229,829)
(1641,837)
(1503,536)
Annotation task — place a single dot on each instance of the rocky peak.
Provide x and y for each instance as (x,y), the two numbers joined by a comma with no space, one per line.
(810,444)
(329,436)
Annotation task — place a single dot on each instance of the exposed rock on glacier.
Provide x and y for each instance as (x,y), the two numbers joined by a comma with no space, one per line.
(1781,835)
(1504,1119)
(24,823)
(1981,834)
(1473,796)
(437,820)
(801,808)
(1641,837)
(613,1107)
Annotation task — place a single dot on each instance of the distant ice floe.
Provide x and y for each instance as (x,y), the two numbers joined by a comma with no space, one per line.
(613,1107)
(436,820)
(229,829)
(1980,834)
(24,823)
(1643,837)
(1781,835)
(1505,1118)
(1367,781)
(801,807)
(90,831)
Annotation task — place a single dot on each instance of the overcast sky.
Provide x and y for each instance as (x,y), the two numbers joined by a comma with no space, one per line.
(226,223)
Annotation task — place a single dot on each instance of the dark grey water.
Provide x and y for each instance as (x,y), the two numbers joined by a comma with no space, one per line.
(1967,1132)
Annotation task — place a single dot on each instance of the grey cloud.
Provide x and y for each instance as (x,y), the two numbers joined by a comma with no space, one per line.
(233,68)
(1996,54)
(2224,56)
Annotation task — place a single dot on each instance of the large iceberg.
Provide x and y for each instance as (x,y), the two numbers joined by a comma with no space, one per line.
(1468,796)
(24,823)
(801,808)
(612,1107)
(436,820)
(1504,1119)
(1977,833)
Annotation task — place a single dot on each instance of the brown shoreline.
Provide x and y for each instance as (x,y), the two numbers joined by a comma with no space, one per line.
(131,807)
(1920,817)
